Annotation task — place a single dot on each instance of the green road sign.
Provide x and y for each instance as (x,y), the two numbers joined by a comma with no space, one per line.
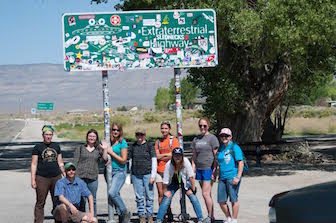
(45,106)
(139,39)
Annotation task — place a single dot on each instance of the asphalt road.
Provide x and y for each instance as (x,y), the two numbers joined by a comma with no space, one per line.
(9,129)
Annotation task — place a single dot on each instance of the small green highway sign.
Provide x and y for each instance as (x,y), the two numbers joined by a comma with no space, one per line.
(45,106)
(139,39)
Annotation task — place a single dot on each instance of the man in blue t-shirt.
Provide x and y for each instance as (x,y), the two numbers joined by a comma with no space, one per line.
(68,192)
(231,163)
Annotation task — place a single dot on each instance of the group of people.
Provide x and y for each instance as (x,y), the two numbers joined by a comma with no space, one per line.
(75,183)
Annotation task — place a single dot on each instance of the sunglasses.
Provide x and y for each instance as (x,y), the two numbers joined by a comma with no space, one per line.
(71,169)
(203,126)
(115,130)
(225,135)
(139,134)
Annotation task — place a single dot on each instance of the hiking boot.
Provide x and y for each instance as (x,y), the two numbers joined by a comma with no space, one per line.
(126,217)
(142,219)
(150,219)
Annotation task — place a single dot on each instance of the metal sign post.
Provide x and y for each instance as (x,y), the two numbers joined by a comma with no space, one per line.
(178,103)
(108,139)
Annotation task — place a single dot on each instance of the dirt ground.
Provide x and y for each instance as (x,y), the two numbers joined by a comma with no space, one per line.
(257,188)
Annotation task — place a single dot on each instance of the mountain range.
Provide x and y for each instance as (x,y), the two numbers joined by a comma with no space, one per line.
(22,86)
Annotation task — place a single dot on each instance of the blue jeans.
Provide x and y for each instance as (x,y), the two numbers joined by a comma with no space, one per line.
(93,187)
(227,189)
(166,202)
(118,180)
(141,185)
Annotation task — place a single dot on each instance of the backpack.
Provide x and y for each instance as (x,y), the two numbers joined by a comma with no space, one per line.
(245,168)
(170,142)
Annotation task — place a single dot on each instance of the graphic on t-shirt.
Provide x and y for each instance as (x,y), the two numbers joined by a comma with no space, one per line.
(49,155)
(227,157)
(201,143)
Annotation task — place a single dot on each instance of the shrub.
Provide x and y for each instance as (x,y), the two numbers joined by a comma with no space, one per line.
(151,117)
(122,108)
(63,126)
(123,120)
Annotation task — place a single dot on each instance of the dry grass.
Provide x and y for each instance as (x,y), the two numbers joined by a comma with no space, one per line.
(74,127)
(310,126)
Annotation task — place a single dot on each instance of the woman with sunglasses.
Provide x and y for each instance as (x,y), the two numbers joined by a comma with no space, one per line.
(231,163)
(87,158)
(163,148)
(178,174)
(143,165)
(46,168)
(204,149)
(118,153)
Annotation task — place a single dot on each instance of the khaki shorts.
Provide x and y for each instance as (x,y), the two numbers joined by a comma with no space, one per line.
(159,178)
(71,217)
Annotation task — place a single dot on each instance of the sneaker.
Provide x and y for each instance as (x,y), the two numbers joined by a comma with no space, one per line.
(169,217)
(142,219)
(228,220)
(207,220)
(150,219)
(126,217)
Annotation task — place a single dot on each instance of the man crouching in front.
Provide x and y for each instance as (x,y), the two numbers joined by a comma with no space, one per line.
(68,193)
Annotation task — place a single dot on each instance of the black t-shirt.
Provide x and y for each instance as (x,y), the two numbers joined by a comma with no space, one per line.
(47,165)
(175,180)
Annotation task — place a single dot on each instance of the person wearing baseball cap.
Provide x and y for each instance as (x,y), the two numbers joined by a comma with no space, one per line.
(46,168)
(143,166)
(68,193)
(231,163)
(178,174)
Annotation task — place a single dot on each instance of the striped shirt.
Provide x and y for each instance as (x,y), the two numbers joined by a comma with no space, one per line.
(87,162)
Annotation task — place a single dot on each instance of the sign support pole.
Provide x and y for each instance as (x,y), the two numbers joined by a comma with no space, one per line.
(178,103)
(108,139)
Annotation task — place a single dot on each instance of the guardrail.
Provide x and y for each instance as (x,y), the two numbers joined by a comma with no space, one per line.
(257,149)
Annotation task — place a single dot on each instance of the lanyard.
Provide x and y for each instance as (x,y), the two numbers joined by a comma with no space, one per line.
(179,177)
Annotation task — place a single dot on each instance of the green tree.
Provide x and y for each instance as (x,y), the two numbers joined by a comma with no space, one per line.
(265,48)
(162,99)
(188,92)
(299,93)
(332,90)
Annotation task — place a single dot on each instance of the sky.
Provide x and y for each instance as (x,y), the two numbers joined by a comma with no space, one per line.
(31,30)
